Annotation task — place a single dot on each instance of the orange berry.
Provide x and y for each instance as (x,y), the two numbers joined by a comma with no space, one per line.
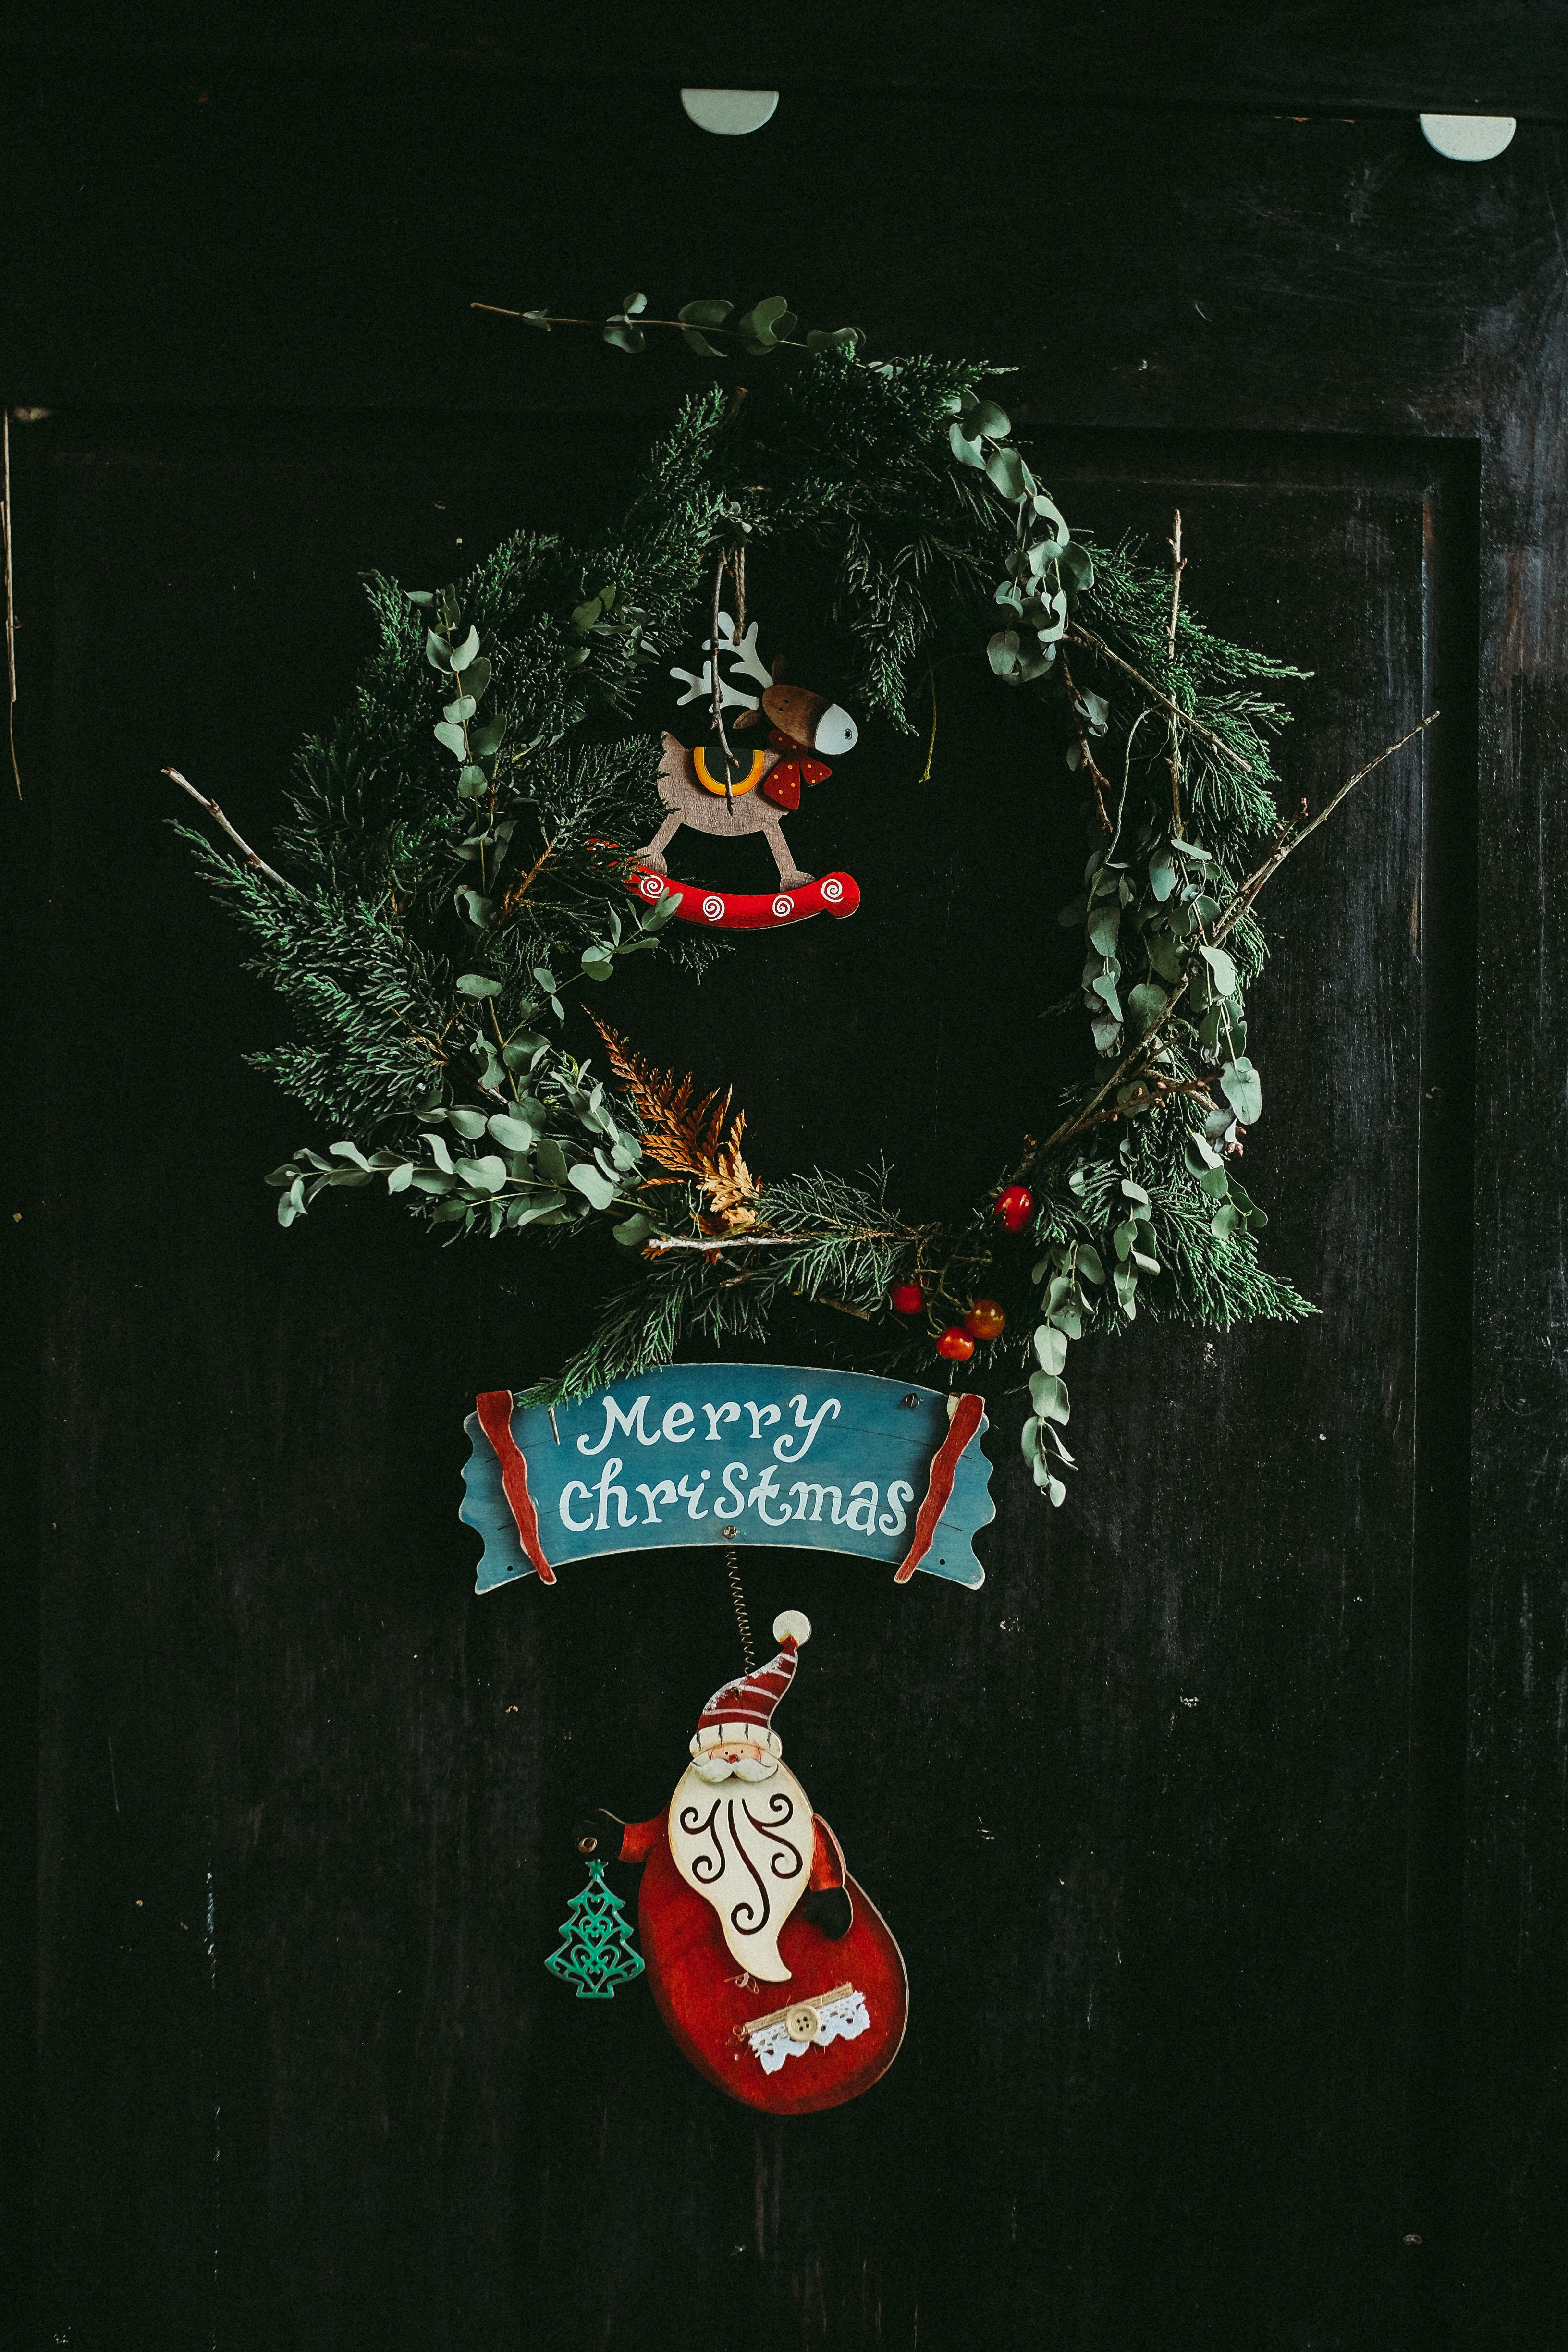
(985,1319)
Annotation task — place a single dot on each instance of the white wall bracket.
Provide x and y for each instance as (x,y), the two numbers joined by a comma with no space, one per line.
(729,113)
(1468,137)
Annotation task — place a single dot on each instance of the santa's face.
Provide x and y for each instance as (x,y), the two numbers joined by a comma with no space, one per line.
(737,1760)
(746,1849)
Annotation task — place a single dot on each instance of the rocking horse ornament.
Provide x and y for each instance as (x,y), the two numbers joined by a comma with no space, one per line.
(717,788)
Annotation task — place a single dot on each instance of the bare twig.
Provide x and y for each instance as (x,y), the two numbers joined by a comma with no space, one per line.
(659,1243)
(1291,841)
(1089,1113)
(680,326)
(10,597)
(1094,645)
(1178,565)
(1101,783)
(257,863)
(519,890)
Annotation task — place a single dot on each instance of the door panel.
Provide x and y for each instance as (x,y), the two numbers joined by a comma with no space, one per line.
(1164,1817)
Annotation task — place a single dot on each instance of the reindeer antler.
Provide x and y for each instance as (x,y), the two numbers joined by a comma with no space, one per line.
(700,689)
(742,651)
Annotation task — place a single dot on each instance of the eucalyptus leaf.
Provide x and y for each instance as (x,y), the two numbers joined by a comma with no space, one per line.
(1222,970)
(1005,468)
(595,1186)
(1104,924)
(1243,1090)
(512,1134)
(551,1161)
(542,1208)
(1145,1004)
(487,1174)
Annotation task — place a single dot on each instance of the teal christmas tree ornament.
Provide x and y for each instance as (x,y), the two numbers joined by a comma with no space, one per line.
(596,1953)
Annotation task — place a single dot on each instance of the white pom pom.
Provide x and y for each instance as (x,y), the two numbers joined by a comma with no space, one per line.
(791,1624)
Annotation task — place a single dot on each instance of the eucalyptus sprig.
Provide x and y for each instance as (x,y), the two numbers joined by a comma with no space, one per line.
(767,327)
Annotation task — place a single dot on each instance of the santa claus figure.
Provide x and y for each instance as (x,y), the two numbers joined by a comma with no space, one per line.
(774,1971)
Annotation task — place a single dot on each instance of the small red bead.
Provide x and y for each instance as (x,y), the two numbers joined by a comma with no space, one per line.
(906,1298)
(955,1344)
(985,1319)
(1016,1206)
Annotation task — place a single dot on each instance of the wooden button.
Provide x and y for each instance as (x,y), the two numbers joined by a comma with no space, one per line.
(801,2022)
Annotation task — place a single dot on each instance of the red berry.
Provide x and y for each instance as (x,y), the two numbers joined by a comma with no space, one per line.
(1016,1206)
(906,1298)
(985,1319)
(955,1344)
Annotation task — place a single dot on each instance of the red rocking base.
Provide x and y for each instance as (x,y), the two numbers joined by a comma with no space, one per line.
(732,911)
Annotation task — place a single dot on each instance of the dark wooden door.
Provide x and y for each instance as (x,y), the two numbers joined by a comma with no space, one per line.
(1222,1829)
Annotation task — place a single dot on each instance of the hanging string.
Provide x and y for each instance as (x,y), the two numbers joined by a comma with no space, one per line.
(748,1654)
(726,755)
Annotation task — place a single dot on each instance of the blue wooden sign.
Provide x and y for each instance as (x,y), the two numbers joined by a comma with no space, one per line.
(722,1454)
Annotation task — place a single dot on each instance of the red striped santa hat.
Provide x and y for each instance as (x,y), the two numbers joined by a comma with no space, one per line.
(744,1710)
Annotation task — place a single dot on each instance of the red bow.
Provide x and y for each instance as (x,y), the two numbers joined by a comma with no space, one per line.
(782,783)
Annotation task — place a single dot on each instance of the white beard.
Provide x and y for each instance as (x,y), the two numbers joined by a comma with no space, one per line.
(746,1848)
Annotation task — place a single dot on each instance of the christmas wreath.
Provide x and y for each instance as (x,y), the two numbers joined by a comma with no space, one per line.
(454,863)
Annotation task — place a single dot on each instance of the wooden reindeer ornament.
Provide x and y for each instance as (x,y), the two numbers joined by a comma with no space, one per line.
(748,793)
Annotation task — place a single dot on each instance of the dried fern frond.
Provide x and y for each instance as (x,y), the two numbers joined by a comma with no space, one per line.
(687,1136)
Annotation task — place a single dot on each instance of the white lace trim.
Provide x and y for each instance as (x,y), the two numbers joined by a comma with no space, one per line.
(843,2020)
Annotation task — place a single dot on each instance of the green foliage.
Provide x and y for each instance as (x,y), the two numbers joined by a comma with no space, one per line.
(454,877)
